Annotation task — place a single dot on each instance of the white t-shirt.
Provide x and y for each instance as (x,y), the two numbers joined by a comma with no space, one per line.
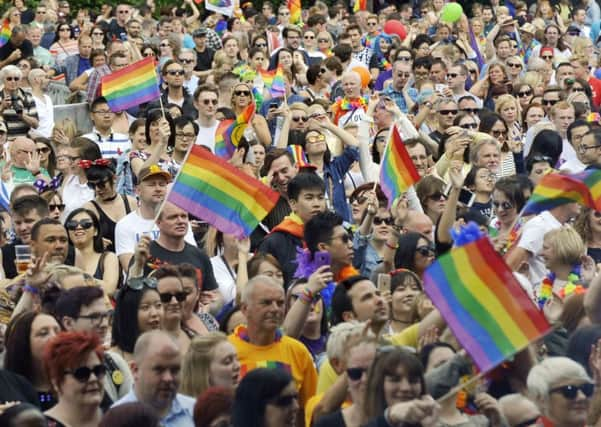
(45,116)
(132,226)
(206,136)
(532,241)
(75,194)
(226,279)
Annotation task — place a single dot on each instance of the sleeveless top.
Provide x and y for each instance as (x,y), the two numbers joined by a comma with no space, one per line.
(107,225)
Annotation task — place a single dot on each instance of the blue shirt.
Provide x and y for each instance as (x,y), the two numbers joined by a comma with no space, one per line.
(181,413)
(397,97)
(333,175)
(84,64)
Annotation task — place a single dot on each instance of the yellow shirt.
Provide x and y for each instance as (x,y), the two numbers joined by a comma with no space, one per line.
(284,353)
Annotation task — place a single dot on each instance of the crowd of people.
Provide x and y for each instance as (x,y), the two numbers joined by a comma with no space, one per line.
(118,308)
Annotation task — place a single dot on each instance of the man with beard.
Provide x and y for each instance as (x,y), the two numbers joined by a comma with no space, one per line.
(173,74)
(261,343)
(49,239)
(156,366)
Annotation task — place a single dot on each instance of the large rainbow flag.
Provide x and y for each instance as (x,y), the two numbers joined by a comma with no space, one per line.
(211,189)
(229,132)
(131,86)
(557,189)
(274,82)
(397,171)
(5,33)
(486,308)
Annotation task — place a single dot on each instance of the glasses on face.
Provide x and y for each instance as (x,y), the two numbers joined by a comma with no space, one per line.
(451,75)
(300,119)
(164,45)
(547,57)
(186,61)
(184,135)
(166,297)
(404,58)
(322,40)
(550,101)
(316,138)
(582,148)
(380,221)
(260,44)
(358,199)
(13,79)
(82,374)
(577,89)
(498,133)
(426,250)
(124,11)
(505,205)
(405,75)
(447,112)
(470,110)
(571,391)
(86,224)
(43,150)
(98,318)
(95,184)
(176,72)
(345,238)
(524,93)
(147,54)
(514,65)
(469,126)
(309,37)
(355,374)
(210,101)
(242,93)
(438,196)
(139,283)
(60,207)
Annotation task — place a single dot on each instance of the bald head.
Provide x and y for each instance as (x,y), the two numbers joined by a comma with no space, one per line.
(517,409)
(418,222)
(258,281)
(153,342)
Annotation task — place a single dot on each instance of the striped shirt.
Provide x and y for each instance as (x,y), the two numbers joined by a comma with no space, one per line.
(111,146)
(22,102)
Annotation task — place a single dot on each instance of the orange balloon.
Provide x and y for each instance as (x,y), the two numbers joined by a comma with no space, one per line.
(364,74)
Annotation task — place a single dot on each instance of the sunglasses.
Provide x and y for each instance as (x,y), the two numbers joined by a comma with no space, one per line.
(469,126)
(527,423)
(168,296)
(355,374)
(260,44)
(284,401)
(138,283)
(525,93)
(379,221)
(299,119)
(345,238)
(571,391)
(577,89)
(60,207)
(210,101)
(86,224)
(470,110)
(43,150)
(242,93)
(447,112)
(322,40)
(550,101)
(547,57)
(164,45)
(505,205)
(82,374)
(513,65)
(498,133)
(95,184)
(425,250)
(12,79)
(438,196)
(309,37)
(316,138)
(452,75)
(186,61)
(358,199)
(176,72)
(404,58)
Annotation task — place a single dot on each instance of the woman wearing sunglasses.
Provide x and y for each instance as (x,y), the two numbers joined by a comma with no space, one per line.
(588,225)
(562,390)
(415,252)
(47,156)
(509,109)
(172,295)
(524,94)
(138,309)
(431,194)
(242,97)
(74,364)
(507,201)
(511,151)
(84,234)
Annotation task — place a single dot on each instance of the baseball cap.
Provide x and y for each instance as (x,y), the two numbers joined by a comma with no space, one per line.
(201,32)
(153,170)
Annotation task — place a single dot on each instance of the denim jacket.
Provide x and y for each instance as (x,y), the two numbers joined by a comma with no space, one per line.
(333,176)
(365,259)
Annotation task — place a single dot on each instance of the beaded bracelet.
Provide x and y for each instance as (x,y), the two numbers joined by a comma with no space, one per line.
(30,289)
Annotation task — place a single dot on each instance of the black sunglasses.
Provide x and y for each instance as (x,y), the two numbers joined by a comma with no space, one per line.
(82,374)
(387,221)
(86,224)
(138,283)
(168,296)
(525,93)
(550,101)
(242,93)
(176,72)
(358,199)
(447,112)
(355,374)
(571,391)
(470,110)
(469,126)
(505,205)
(437,196)
(93,184)
(299,119)
(427,250)
(345,238)
(60,207)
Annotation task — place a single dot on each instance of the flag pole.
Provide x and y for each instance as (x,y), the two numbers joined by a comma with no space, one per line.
(162,107)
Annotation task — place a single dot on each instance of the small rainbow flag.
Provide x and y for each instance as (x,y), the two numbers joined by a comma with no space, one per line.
(275,82)
(486,308)
(397,171)
(300,158)
(211,189)
(360,5)
(557,189)
(295,11)
(229,132)
(131,86)
(5,33)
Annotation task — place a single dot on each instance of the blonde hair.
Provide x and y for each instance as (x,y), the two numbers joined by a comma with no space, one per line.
(67,125)
(195,377)
(566,243)
(505,100)
(579,45)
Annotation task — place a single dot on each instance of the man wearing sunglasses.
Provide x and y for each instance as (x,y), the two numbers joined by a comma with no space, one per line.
(175,92)
(518,410)
(562,391)
(83,309)
(456,78)
(206,101)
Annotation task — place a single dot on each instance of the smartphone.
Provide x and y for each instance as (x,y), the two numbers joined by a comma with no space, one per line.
(439,88)
(383,283)
(273,105)
(322,258)
(466,197)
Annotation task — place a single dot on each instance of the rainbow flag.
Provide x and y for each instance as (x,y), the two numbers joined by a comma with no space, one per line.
(360,5)
(229,132)
(131,86)
(5,33)
(557,189)
(300,158)
(397,171)
(275,82)
(295,11)
(211,189)
(486,308)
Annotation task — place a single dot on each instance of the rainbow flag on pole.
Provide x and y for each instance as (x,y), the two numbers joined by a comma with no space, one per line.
(360,5)
(397,171)
(557,189)
(295,11)
(211,189)
(131,86)
(5,33)
(274,82)
(486,308)
(229,132)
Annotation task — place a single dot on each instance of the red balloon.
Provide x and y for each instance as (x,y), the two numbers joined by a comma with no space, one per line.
(395,27)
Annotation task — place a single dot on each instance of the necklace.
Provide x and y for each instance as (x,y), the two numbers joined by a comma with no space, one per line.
(110,199)
(571,287)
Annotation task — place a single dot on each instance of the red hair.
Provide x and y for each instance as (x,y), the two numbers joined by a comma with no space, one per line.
(213,402)
(67,351)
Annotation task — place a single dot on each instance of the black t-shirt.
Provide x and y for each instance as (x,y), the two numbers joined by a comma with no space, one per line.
(191,255)
(26,50)
(14,387)
(204,60)
(8,259)
(117,30)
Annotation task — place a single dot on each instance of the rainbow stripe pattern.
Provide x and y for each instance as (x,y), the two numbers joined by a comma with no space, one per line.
(300,158)
(229,132)
(360,5)
(211,189)
(557,189)
(483,304)
(274,82)
(397,171)
(295,11)
(5,33)
(131,86)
